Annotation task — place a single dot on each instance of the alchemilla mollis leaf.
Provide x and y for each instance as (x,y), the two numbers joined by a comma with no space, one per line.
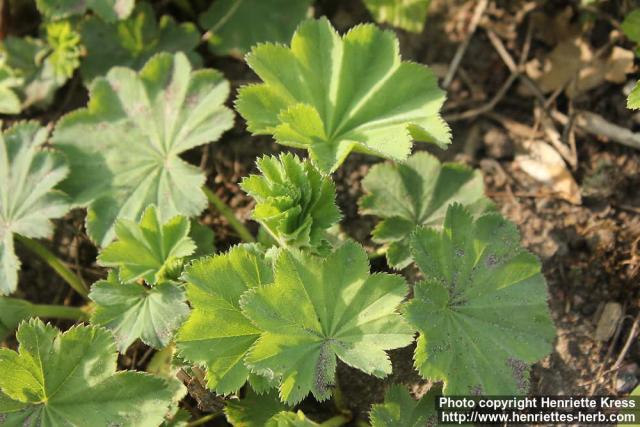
(28,201)
(482,309)
(150,249)
(133,41)
(319,309)
(332,95)
(295,202)
(108,10)
(414,193)
(254,409)
(235,27)
(132,311)
(406,14)
(217,334)
(124,148)
(400,409)
(70,379)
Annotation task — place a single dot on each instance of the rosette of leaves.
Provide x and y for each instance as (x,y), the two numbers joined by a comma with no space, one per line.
(400,409)
(631,28)
(235,26)
(482,309)
(133,41)
(138,125)
(334,309)
(406,14)
(295,202)
(414,193)
(28,201)
(217,334)
(70,378)
(108,10)
(332,95)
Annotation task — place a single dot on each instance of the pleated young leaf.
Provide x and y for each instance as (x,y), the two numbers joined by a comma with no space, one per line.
(150,249)
(482,310)
(406,14)
(400,409)
(28,174)
(332,95)
(237,26)
(217,334)
(138,124)
(133,311)
(414,193)
(319,309)
(70,378)
(133,41)
(109,10)
(295,202)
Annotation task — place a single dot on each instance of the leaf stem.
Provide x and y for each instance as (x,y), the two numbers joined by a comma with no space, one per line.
(59,312)
(226,212)
(203,420)
(54,262)
(336,421)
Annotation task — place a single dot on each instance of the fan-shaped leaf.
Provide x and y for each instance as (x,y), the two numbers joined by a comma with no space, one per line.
(138,125)
(131,42)
(234,26)
(27,199)
(400,409)
(61,379)
(332,95)
(149,249)
(417,192)
(295,202)
(109,10)
(406,14)
(318,309)
(134,311)
(217,334)
(482,311)
(254,410)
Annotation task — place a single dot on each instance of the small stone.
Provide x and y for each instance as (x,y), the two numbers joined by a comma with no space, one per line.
(608,321)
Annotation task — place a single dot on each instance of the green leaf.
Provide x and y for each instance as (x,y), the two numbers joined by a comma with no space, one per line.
(400,409)
(332,95)
(235,26)
(133,311)
(12,312)
(291,419)
(70,378)
(482,310)
(203,237)
(631,25)
(109,10)
(295,202)
(406,14)
(417,192)
(633,102)
(149,250)
(28,202)
(9,86)
(133,41)
(138,124)
(65,48)
(253,410)
(318,309)
(217,334)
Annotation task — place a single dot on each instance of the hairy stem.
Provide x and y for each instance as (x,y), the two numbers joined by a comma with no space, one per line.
(54,262)
(226,212)
(59,312)
(203,420)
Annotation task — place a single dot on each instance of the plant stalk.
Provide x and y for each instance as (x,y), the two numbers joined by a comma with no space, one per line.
(226,212)
(203,420)
(59,312)
(54,262)
(336,421)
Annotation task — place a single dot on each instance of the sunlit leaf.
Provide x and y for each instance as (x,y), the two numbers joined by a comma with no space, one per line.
(406,14)
(109,10)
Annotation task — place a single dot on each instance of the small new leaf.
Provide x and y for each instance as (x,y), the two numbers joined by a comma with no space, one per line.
(133,41)
(406,14)
(70,378)
(133,311)
(149,249)
(28,202)
(235,26)
(414,193)
(139,124)
(295,202)
(633,102)
(400,409)
(319,309)
(65,48)
(332,95)
(217,334)
(108,10)
(482,310)
(254,410)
